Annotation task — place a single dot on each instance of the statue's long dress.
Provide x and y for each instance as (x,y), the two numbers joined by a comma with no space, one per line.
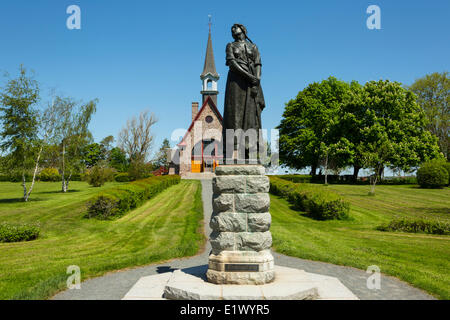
(241,109)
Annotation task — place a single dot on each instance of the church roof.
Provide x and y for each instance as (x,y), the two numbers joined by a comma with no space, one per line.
(210,66)
(207,102)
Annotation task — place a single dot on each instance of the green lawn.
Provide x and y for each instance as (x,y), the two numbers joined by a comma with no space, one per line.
(165,227)
(423,260)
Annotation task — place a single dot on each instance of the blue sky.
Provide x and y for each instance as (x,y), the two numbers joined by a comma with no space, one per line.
(136,55)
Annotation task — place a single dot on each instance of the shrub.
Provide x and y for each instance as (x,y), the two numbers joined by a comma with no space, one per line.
(398,180)
(16,233)
(115,202)
(319,203)
(296,178)
(416,226)
(102,206)
(76,177)
(432,174)
(98,176)
(122,177)
(17,177)
(140,170)
(446,166)
(49,174)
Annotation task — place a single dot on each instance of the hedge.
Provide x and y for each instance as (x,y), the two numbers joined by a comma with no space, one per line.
(345,179)
(115,202)
(17,177)
(417,226)
(16,233)
(122,177)
(296,178)
(317,202)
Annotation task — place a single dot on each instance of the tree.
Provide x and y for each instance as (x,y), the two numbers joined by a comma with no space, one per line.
(269,158)
(72,134)
(139,170)
(99,174)
(161,156)
(433,95)
(21,125)
(106,145)
(95,152)
(118,159)
(391,128)
(335,155)
(51,155)
(92,154)
(136,138)
(310,129)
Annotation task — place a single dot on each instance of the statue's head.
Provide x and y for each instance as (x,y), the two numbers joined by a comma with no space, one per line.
(238,31)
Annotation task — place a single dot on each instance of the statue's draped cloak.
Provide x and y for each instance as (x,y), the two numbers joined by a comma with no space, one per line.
(242,110)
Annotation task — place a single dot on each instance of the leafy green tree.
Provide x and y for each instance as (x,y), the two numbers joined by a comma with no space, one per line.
(310,129)
(72,134)
(433,95)
(93,153)
(106,145)
(50,155)
(20,125)
(161,156)
(99,174)
(335,156)
(3,164)
(118,159)
(139,169)
(391,127)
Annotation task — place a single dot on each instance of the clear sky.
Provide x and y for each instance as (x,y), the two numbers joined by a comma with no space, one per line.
(135,55)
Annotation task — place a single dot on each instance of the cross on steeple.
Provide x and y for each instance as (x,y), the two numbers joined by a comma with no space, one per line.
(209,23)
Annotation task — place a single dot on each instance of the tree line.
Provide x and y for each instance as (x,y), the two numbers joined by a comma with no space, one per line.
(55,134)
(334,125)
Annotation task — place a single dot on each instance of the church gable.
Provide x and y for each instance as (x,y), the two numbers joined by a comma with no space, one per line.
(209,114)
(210,118)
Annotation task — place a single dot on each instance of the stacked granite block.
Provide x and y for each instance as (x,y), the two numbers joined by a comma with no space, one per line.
(241,239)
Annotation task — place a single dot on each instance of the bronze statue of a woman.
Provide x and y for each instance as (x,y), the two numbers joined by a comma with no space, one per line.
(244,99)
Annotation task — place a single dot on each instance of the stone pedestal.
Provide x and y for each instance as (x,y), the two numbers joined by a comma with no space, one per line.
(241,239)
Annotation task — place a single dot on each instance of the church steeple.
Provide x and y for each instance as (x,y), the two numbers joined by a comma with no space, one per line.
(209,75)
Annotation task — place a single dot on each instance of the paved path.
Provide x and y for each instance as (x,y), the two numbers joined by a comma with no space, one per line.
(114,286)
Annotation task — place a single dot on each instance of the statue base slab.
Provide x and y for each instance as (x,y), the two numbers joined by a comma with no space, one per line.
(191,284)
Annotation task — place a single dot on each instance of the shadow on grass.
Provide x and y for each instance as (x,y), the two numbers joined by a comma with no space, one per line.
(17,200)
(301,212)
(59,191)
(433,210)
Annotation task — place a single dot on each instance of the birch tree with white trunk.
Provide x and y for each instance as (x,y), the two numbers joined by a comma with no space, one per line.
(20,126)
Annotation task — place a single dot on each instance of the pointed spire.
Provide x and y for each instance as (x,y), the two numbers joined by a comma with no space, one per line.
(210,66)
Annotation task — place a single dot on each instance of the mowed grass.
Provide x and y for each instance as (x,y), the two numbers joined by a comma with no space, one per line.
(167,226)
(422,260)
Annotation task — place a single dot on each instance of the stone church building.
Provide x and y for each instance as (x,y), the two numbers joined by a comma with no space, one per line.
(198,151)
